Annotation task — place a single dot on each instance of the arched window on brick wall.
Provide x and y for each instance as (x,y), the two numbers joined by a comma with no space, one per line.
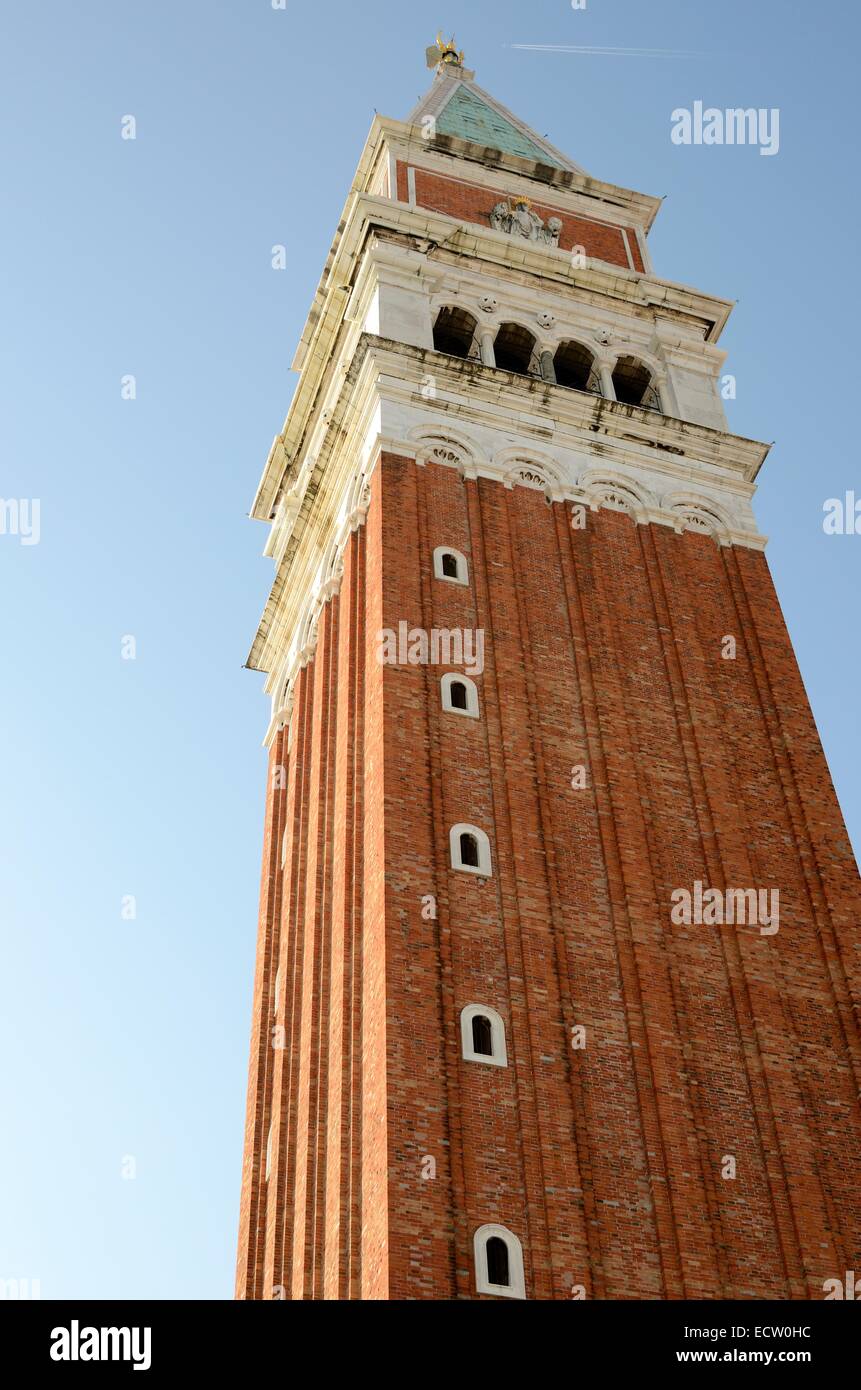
(459,695)
(498,1262)
(450,564)
(470,850)
(482,1035)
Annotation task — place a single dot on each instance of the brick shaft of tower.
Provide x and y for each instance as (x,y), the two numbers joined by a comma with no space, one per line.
(560,1070)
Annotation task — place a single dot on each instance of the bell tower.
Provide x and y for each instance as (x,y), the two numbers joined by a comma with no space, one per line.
(557,973)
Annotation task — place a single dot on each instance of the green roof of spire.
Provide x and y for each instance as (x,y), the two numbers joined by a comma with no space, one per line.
(467,117)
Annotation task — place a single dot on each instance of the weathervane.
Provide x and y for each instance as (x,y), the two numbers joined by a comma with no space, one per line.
(444,54)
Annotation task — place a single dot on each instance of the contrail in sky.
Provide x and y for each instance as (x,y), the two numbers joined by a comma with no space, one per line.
(610,52)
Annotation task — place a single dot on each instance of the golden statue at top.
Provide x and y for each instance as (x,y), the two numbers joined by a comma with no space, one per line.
(444,54)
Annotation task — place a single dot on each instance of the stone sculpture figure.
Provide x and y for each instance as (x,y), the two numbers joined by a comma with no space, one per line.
(516,217)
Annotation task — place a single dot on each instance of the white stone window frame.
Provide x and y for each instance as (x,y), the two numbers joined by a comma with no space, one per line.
(517,1287)
(499,1057)
(462,577)
(484,868)
(473,709)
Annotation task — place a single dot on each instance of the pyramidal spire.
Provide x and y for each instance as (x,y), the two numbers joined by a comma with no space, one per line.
(461,109)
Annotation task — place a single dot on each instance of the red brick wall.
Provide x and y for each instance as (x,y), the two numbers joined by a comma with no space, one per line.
(252,1223)
(473,203)
(603,648)
(302,1233)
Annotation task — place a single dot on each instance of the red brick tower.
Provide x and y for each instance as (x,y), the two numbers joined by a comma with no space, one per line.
(557,976)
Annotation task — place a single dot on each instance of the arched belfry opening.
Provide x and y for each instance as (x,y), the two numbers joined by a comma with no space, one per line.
(454,333)
(515,350)
(576,368)
(634,385)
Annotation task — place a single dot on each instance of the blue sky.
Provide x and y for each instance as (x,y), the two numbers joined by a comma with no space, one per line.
(152,257)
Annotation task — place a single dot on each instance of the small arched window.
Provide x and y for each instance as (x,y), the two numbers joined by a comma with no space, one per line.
(498,1262)
(515,350)
(575,368)
(470,850)
(482,1036)
(451,565)
(455,333)
(633,384)
(459,695)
